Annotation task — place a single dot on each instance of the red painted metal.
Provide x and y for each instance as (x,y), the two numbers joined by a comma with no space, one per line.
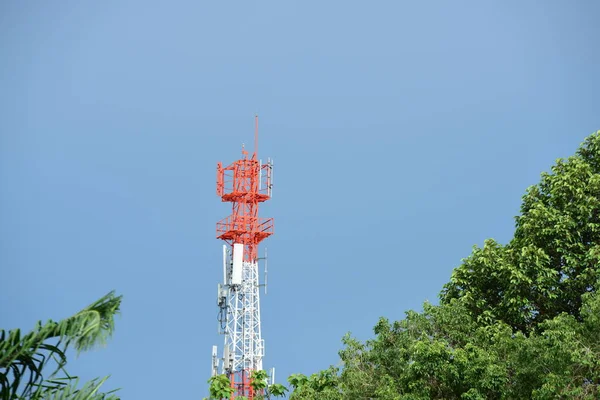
(245,183)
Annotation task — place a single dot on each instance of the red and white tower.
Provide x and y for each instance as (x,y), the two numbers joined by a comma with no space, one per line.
(245,184)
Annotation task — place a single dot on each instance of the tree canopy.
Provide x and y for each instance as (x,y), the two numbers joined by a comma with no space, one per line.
(32,365)
(515,321)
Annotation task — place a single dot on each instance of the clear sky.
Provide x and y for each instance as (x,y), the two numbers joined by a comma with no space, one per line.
(403,134)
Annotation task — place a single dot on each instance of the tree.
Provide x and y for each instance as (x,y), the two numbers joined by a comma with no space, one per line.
(32,366)
(220,387)
(322,385)
(515,321)
(552,260)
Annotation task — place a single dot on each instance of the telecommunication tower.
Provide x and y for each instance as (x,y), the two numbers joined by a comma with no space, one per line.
(245,183)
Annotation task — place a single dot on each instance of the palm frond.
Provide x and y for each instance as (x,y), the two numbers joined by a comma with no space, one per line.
(94,324)
(23,357)
(70,391)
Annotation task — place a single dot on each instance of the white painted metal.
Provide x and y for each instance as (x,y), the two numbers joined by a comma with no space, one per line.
(243,332)
(226,359)
(238,257)
(224,264)
(266,271)
(271,178)
(259,175)
(215,362)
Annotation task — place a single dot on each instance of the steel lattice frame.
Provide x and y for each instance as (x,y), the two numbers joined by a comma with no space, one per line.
(243,333)
(245,183)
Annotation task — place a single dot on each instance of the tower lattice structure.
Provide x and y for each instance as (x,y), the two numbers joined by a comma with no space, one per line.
(245,183)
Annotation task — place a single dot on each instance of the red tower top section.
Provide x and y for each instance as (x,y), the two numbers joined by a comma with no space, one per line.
(245,183)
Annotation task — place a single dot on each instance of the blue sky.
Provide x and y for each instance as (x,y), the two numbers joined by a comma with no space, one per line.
(403,134)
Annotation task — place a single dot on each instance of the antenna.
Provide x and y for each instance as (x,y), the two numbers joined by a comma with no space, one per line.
(271,178)
(224,264)
(266,271)
(255,136)
(226,360)
(215,362)
(238,264)
(259,175)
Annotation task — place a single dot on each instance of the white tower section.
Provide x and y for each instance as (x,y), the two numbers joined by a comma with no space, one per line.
(239,320)
(242,333)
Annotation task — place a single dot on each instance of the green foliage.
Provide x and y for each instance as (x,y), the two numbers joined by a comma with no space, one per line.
(258,381)
(322,385)
(32,366)
(516,321)
(444,353)
(71,391)
(277,390)
(554,256)
(220,387)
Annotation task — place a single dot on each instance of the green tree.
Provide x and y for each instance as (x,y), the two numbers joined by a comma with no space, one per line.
(554,256)
(220,387)
(32,365)
(322,385)
(516,321)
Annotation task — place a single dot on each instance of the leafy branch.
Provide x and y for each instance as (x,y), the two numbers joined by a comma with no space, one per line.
(24,359)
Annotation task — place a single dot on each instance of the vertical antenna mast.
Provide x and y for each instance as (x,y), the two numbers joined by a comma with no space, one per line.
(256,136)
(266,271)
(245,185)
